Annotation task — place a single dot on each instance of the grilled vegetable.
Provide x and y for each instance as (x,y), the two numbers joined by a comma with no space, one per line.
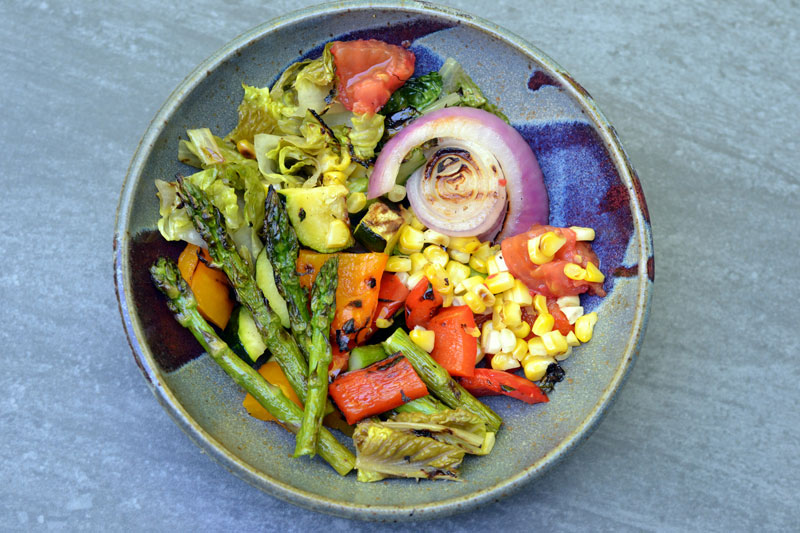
(319,216)
(182,303)
(452,426)
(323,304)
(209,285)
(427,404)
(382,452)
(363,356)
(379,229)
(455,347)
(488,382)
(439,381)
(377,388)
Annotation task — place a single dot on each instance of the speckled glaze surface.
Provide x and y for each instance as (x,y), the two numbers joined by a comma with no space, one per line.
(590,183)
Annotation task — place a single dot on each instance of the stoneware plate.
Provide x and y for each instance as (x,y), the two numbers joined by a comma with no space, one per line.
(590,183)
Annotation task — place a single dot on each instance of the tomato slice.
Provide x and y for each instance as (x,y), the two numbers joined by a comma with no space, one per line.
(368,72)
(549,279)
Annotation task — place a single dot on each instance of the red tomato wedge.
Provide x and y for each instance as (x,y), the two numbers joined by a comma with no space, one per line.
(368,72)
(454,347)
(377,388)
(487,382)
(422,303)
(549,279)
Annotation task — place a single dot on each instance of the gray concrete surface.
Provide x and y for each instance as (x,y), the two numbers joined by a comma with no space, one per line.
(705,434)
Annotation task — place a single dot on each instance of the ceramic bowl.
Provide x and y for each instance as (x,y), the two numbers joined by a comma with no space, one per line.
(590,182)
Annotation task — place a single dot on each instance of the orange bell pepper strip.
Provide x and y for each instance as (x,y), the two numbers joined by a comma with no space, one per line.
(356,293)
(274,375)
(455,348)
(377,388)
(209,285)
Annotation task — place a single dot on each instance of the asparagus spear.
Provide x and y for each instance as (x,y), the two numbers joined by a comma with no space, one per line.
(181,301)
(439,381)
(209,223)
(282,248)
(323,305)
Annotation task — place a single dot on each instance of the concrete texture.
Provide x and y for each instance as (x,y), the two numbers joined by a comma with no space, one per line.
(704,436)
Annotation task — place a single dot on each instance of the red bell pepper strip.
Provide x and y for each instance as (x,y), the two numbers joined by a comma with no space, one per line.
(422,303)
(377,388)
(391,298)
(487,382)
(454,347)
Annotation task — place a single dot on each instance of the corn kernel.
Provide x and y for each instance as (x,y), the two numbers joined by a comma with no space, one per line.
(484,294)
(474,302)
(438,278)
(535,366)
(465,244)
(572,340)
(520,350)
(512,314)
(583,234)
(543,324)
(477,264)
(491,342)
(565,354)
(486,329)
(414,222)
(593,273)
(484,251)
(414,279)
(338,234)
(535,253)
(521,331)
(461,257)
(540,304)
(479,353)
(383,323)
(507,340)
(472,282)
(501,262)
(418,261)
(573,271)
(584,327)
(436,254)
(502,281)
(491,266)
(335,177)
(569,301)
(398,263)
(403,277)
(423,338)
(434,237)
(447,299)
(246,148)
(456,272)
(554,342)
(356,201)
(519,294)
(458,301)
(410,240)
(497,316)
(550,243)
(536,347)
(504,361)
(572,313)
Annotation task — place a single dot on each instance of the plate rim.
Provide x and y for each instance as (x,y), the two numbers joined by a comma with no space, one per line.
(290,493)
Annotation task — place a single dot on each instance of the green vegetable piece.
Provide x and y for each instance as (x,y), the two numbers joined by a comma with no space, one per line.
(456,80)
(323,306)
(427,405)
(416,92)
(249,335)
(181,302)
(363,356)
(210,225)
(439,381)
(265,279)
(452,426)
(319,216)
(379,228)
(383,452)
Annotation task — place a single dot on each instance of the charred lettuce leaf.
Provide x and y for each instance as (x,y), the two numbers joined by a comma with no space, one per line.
(383,452)
(456,427)
(417,93)
(455,80)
